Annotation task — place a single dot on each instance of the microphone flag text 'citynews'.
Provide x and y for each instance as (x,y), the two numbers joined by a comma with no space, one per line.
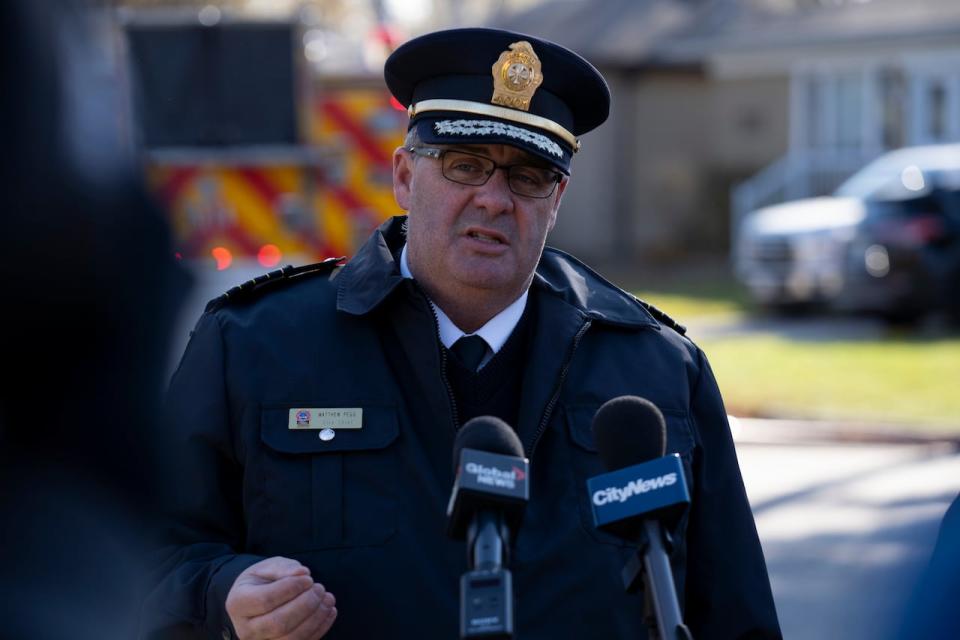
(639,489)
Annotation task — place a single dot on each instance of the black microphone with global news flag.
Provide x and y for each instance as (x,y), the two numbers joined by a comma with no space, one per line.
(486,506)
(643,489)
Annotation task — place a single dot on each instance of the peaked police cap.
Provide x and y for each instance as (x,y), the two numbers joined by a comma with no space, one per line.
(493,86)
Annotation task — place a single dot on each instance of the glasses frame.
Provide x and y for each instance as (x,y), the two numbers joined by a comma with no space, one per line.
(437,153)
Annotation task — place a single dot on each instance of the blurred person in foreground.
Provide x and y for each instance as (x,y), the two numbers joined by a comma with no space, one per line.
(932,612)
(286,530)
(89,290)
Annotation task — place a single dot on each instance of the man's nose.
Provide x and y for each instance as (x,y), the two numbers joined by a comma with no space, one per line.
(495,195)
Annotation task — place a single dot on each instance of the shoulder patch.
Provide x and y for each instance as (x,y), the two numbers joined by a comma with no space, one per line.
(251,289)
(663,318)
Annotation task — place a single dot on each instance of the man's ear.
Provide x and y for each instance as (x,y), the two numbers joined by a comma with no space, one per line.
(558,196)
(402,177)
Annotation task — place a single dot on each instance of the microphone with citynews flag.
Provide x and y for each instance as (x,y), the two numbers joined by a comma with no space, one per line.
(643,489)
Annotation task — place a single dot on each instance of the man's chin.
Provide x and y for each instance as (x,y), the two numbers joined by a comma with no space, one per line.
(490,281)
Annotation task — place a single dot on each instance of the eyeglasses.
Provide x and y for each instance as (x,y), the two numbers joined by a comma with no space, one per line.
(474,170)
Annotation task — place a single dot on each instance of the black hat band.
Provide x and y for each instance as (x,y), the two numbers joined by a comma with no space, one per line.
(520,117)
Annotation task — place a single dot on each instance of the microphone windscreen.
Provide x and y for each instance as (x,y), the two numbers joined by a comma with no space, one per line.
(629,430)
(487,433)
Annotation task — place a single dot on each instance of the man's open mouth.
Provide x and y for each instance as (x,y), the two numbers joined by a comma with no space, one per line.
(483,237)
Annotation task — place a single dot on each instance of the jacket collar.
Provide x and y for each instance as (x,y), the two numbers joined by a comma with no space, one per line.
(374,272)
(580,286)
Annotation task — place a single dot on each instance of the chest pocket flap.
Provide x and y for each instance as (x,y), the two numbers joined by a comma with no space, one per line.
(321,494)
(586,462)
(679,436)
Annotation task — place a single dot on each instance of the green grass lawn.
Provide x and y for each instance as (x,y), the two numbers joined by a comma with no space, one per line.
(713,295)
(684,307)
(892,380)
(900,379)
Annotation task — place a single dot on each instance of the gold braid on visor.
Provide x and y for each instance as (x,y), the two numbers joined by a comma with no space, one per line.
(479,108)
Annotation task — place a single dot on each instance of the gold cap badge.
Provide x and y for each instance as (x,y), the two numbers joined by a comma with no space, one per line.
(516,76)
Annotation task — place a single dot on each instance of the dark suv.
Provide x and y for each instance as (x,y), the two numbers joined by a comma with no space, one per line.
(887,241)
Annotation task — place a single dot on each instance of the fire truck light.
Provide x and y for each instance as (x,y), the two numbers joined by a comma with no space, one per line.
(269,255)
(223,257)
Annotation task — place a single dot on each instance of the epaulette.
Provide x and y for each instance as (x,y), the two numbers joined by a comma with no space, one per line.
(663,318)
(269,281)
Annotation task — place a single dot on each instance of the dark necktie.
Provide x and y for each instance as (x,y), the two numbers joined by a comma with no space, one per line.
(469,350)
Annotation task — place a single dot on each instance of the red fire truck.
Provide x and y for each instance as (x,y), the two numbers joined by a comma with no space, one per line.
(255,153)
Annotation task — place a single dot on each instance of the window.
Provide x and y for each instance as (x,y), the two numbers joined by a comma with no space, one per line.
(892,97)
(211,86)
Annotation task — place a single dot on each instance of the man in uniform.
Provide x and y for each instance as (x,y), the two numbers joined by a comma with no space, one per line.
(317,408)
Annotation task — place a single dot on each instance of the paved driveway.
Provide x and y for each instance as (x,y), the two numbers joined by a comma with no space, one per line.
(846,529)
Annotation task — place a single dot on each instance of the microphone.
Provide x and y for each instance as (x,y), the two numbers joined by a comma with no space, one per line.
(486,506)
(643,488)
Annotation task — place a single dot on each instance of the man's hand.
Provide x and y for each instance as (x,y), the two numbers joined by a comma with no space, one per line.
(277,599)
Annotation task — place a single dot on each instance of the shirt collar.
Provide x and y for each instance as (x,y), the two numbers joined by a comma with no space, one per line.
(495,332)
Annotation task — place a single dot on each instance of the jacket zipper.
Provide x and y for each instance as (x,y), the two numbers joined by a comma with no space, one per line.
(556,392)
(443,374)
(443,360)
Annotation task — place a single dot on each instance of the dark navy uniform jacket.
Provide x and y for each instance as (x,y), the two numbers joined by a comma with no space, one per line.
(366,509)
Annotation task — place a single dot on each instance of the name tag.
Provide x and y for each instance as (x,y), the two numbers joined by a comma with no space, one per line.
(342,418)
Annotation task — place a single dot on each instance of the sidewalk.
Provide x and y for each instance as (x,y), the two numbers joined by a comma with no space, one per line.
(846,528)
(772,431)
